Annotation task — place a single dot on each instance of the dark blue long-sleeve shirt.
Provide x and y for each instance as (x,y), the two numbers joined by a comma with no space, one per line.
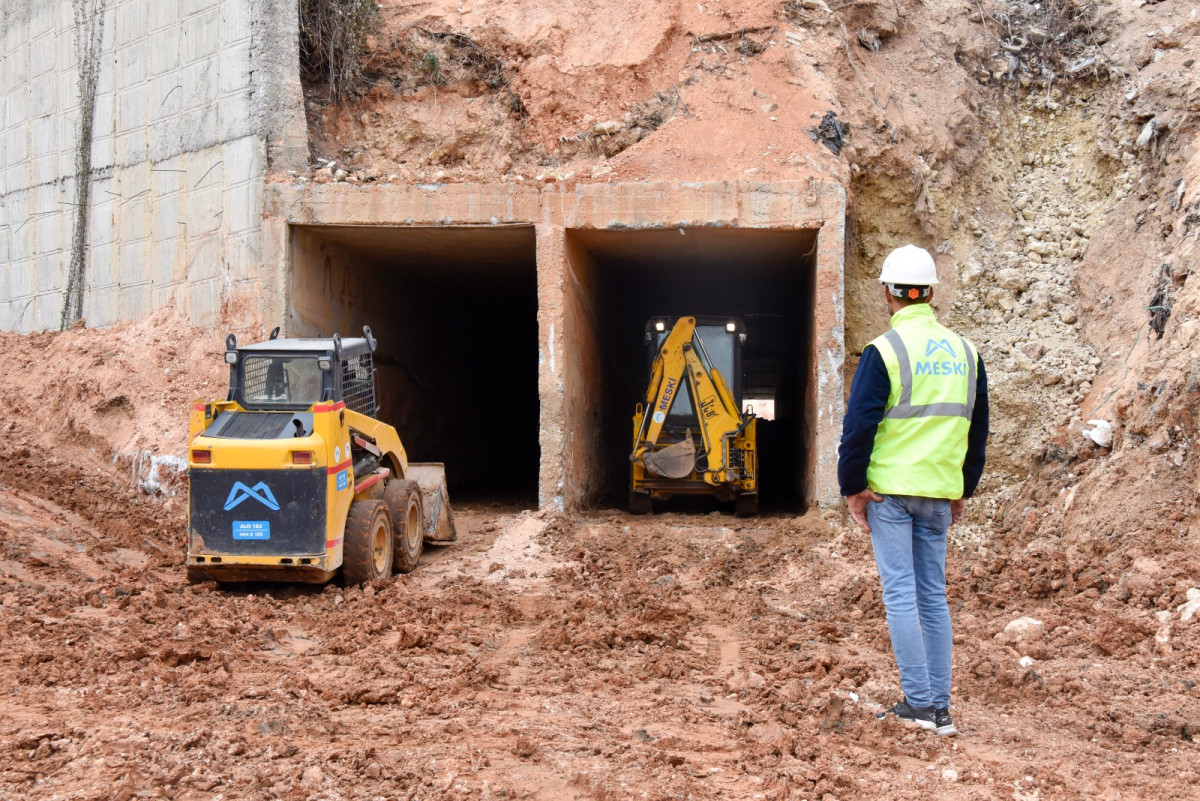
(864,411)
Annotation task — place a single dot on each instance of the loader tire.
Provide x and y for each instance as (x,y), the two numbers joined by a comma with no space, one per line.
(640,503)
(408,523)
(367,548)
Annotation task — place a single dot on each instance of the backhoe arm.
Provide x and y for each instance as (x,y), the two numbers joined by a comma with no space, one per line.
(666,380)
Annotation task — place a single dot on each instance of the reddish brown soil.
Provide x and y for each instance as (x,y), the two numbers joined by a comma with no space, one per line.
(592,656)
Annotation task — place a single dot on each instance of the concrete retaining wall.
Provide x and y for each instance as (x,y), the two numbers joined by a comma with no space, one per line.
(191,98)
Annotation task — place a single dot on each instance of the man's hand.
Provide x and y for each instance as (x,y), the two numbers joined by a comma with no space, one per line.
(858,506)
(956,510)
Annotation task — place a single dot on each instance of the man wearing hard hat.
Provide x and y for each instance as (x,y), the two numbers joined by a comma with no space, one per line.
(912,451)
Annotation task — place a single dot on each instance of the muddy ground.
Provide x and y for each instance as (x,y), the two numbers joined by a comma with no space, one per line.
(597,655)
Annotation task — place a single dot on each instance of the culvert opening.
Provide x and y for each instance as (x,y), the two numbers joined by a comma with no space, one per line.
(763,277)
(455,311)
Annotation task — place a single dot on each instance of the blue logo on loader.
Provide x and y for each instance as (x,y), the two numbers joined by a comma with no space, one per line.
(259,492)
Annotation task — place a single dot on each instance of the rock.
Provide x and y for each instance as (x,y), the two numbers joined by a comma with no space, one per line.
(312,776)
(972,272)
(1149,132)
(1011,280)
(1068,315)
(1024,628)
(1159,441)
(1189,608)
(339,175)
(1101,433)
(1034,350)
(607,128)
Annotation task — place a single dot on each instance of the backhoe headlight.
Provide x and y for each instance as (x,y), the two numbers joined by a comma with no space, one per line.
(731,327)
(660,326)
(325,364)
(231,357)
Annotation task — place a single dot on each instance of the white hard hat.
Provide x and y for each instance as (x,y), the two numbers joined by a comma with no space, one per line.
(909,266)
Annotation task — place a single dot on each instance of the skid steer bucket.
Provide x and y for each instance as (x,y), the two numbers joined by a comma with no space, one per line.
(435,501)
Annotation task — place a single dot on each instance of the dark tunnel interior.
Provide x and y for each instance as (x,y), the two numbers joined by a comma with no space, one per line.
(455,312)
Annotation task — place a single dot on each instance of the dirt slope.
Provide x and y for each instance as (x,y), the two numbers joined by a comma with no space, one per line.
(1047,152)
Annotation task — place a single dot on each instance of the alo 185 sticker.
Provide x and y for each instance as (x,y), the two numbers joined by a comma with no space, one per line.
(252,529)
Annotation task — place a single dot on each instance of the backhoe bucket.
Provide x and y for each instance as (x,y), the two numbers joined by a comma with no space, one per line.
(435,501)
(673,461)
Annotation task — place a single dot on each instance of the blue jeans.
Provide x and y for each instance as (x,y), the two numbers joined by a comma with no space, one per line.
(908,535)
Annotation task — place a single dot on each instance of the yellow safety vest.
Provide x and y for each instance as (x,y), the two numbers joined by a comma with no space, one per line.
(921,443)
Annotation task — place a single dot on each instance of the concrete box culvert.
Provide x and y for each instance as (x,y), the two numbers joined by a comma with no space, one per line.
(765,277)
(455,312)
(552,286)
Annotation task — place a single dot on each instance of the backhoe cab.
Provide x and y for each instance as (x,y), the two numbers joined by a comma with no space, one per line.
(292,478)
(694,394)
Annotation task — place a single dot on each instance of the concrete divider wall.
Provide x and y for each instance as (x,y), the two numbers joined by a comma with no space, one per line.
(190,99)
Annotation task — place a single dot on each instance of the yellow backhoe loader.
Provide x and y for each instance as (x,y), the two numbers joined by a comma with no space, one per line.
(292,477)
(694,391)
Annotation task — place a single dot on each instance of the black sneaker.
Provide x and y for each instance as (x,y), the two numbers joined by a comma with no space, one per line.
(922,716)
(945,726)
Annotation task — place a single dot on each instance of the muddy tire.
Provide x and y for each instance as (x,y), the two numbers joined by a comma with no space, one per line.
(404,499)
(746,505)
(367,548)
(640,503)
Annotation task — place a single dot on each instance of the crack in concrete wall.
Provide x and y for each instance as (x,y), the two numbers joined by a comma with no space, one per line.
(89,36)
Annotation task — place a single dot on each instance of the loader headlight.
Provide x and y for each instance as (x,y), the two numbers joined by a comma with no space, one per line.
(731,327)
(325,364)
(660,326)
(231,357)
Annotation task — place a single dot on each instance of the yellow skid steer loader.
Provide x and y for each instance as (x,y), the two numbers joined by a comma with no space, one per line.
(292,477)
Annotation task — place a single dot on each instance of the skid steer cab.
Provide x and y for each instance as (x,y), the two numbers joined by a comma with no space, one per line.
(292,477)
